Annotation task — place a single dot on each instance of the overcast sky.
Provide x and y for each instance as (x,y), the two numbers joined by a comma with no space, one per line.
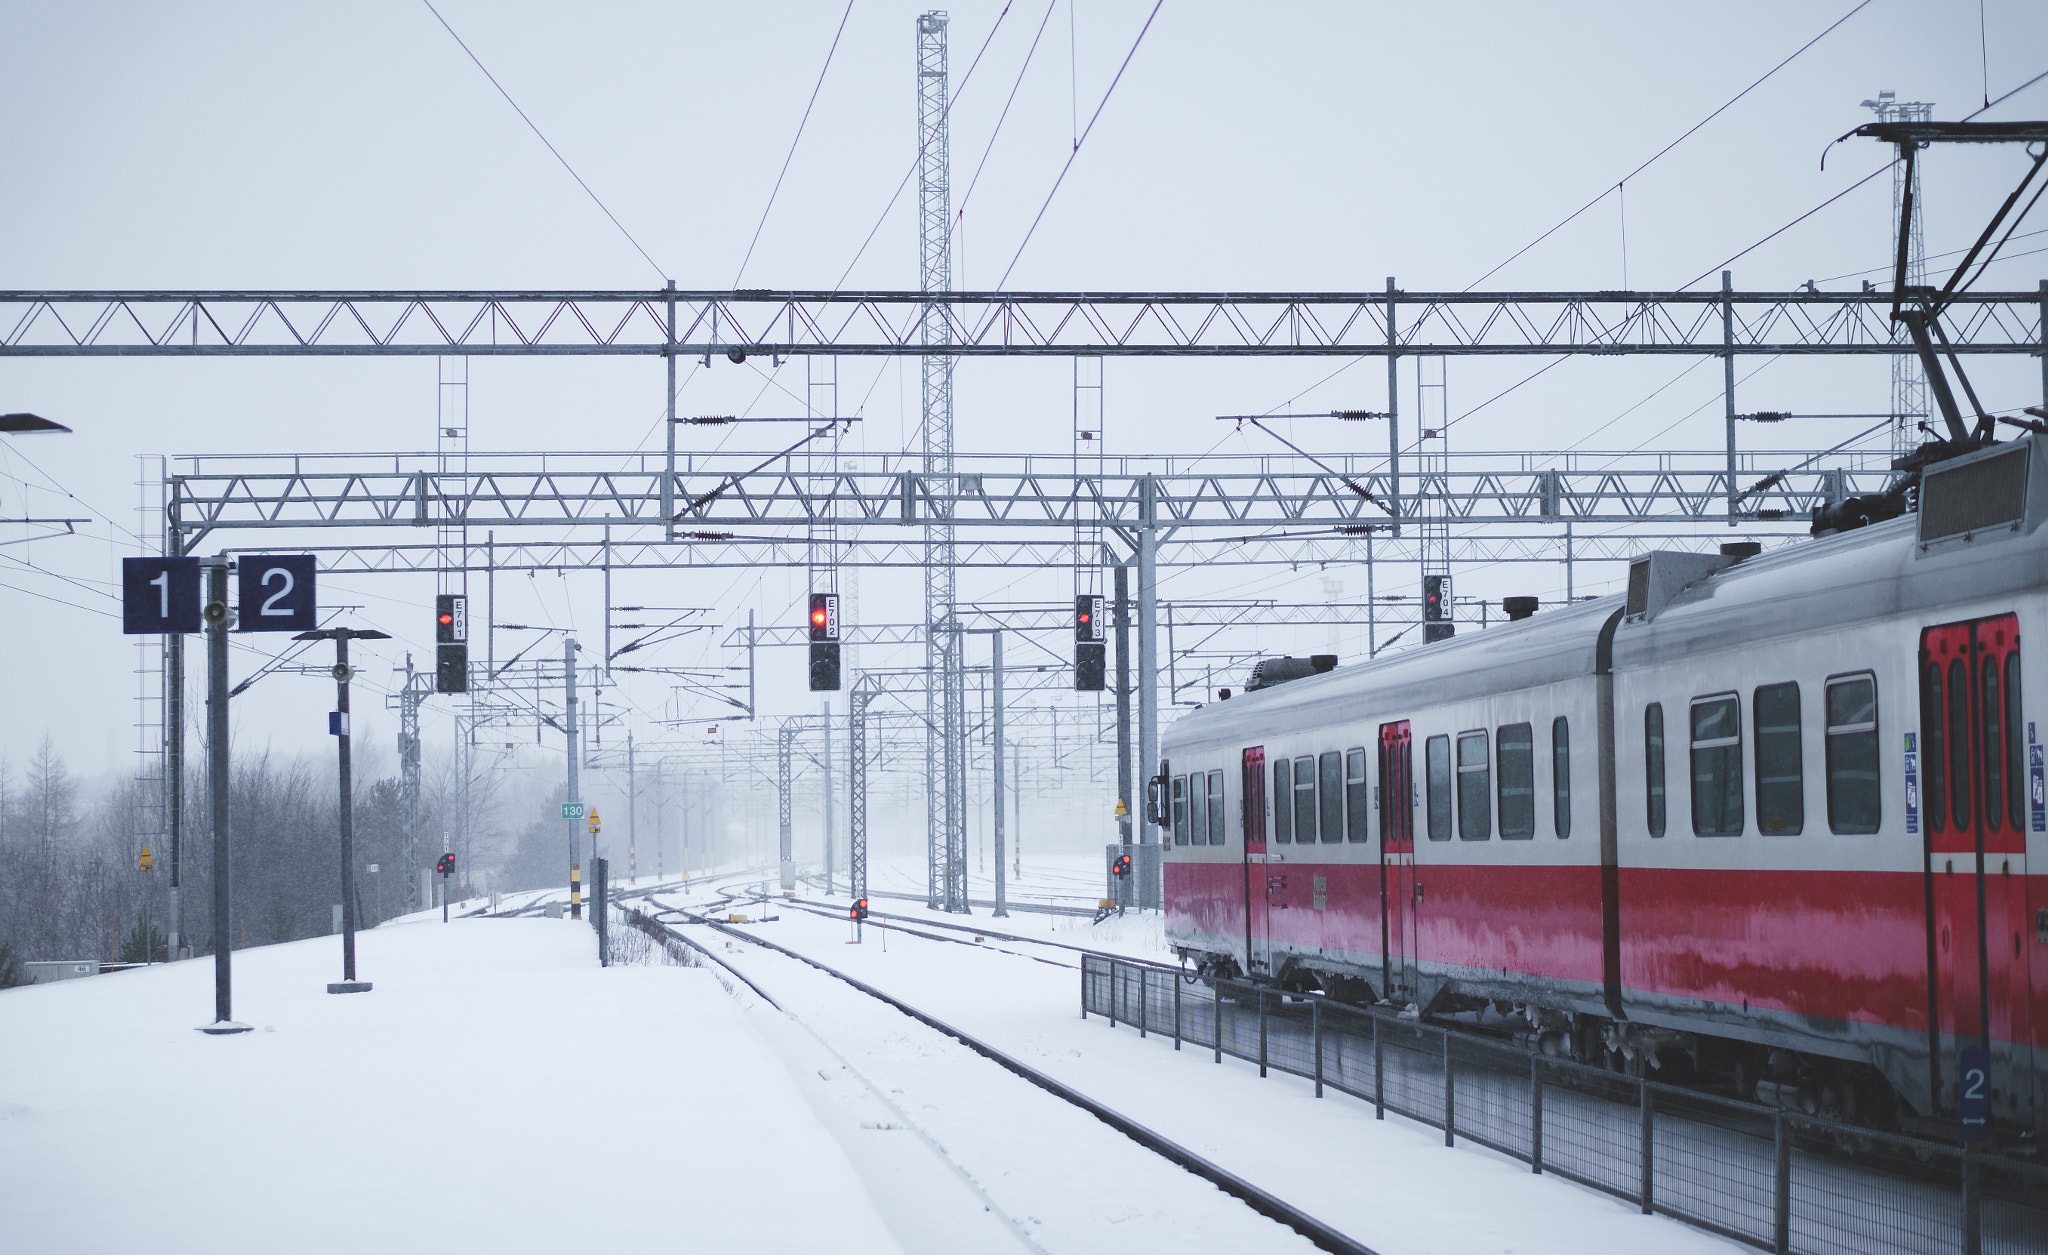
(1278,146)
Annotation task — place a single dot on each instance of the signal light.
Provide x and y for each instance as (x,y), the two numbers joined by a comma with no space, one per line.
(1088,624)
(1091,662)
(1121,866)
(859,909)
(1436,596)
(451,619)
(824,629)
(446,865)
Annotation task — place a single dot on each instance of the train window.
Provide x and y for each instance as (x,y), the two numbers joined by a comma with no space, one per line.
(1438,752)
(1854,800)
(1283,798)
(1475,791)
(1517,749)
(1561,775)
(1198,809)
(1933,751)
(1180,810)
(1994,760)
(1305,800)
(1330,795)
(2015,778)
(1717,767)
(1356,825)
(1218,833)
(1780,771)
(1959,744)
(1653,767)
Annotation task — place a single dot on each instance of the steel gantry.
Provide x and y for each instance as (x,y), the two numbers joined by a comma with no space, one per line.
(736,324)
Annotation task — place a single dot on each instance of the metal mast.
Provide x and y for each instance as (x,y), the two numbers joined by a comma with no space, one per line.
(1909,386)
(945,695)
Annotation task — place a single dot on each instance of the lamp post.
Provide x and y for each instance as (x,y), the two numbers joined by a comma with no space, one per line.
(338,725)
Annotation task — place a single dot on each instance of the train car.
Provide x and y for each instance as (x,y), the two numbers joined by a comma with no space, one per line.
(1763,819)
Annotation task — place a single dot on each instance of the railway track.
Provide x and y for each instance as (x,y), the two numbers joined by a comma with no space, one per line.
(1264,1203)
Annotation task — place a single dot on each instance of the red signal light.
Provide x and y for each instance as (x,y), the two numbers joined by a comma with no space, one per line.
(818,617)
(447,619)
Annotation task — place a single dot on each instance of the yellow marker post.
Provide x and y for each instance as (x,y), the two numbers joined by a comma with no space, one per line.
(145,863)
(575,891)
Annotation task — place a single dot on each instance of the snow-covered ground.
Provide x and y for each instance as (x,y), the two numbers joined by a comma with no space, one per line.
(498,1090)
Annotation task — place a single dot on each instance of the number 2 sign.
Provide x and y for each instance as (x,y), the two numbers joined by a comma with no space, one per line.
(277,593)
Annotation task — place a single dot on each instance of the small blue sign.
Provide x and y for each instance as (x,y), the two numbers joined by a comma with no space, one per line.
(2035,787)
(1912,785)
(1973,1093)
(277,593)
(337,723)
(159,595)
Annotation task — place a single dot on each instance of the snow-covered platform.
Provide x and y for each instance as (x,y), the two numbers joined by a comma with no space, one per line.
(497,1090)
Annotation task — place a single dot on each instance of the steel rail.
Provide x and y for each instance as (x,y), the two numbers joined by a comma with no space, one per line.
(1268,1205)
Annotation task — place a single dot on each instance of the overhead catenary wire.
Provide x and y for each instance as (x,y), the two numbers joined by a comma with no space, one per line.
(1654,157)
(595,199)
(793,142)
(1078,142)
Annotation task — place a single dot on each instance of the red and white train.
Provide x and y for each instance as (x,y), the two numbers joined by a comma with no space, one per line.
(1768,819)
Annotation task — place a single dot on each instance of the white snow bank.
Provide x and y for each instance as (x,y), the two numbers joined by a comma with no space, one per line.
(490,1093)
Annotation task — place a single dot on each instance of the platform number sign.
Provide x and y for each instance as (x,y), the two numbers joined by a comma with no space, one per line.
(1973,1093)
(159,595)
(277,593)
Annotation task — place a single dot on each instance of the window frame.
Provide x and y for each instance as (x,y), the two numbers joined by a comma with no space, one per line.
(1304,798)
(1656,778)
(1561,776)
(1717,746)
(1330,796)
(1527,730)
(1436,752)
(1797,825)
(1357,798)
(1282,831)
(1481,788)
(1833,734)
(1198,808)
(1219,816)
(1179,808)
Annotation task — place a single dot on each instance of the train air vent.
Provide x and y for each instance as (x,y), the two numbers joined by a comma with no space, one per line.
(1655,578)
(1267,672)
(1976,493)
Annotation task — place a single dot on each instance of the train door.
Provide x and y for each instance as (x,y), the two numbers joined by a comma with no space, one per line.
(1397,859)
(1258,941)
(1975,798)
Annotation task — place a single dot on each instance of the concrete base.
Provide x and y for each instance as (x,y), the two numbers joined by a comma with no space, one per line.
(221,1028)
(348,987)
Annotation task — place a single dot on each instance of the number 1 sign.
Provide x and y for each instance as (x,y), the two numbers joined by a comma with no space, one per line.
(159,595)
(277,593)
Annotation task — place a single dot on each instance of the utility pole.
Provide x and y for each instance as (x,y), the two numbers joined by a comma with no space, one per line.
(825,714)
(575,751)
(1148,650)
(174,757)
(1126,802)
(632,811)
(348,984)
(996,665)
(218,618)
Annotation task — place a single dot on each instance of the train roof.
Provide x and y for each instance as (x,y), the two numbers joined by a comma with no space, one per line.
(1885,570)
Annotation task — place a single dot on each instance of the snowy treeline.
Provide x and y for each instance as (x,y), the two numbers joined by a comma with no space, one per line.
(70,887)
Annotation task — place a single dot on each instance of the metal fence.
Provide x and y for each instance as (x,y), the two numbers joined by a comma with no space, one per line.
(1777,1180)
